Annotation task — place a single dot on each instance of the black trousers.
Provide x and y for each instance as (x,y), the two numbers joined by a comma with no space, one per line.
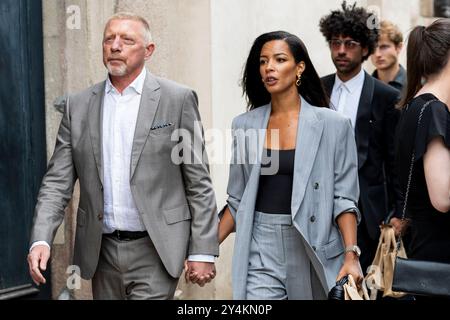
(367,244)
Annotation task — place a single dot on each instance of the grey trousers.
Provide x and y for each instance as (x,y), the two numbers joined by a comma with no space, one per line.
(279,268)
(131,270)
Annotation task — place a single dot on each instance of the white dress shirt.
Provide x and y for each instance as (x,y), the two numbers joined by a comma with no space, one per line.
(120,112)
(345,96)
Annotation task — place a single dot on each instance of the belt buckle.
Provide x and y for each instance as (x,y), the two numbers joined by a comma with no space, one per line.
(121,237)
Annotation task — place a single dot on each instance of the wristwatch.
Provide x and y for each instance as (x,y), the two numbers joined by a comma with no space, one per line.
(355,249)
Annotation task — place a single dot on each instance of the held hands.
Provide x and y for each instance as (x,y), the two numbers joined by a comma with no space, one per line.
(37,262)
(351,266)
(200,273)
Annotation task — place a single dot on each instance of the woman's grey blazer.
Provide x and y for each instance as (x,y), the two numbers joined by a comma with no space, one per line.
(325,185)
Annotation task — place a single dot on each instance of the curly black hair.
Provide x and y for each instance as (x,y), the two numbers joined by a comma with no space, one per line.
(352,22)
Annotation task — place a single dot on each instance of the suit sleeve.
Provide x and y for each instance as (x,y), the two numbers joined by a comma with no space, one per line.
(57,186)
(346,184)
(392,115)
(198,185)
(236,180)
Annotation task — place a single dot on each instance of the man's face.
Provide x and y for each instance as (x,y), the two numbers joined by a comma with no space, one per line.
(347,54)
(386,54)
(124,47)
(442,8)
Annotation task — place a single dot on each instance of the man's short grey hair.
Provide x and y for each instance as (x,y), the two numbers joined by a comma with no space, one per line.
(131,16)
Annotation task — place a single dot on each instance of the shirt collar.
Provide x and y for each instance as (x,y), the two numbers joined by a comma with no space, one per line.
(354,83)
(137,84)
(400,78)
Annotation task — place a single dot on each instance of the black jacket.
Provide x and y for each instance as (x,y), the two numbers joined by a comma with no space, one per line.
(376,122)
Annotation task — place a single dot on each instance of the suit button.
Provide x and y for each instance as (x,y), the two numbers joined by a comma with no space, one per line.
(314,248)
(101,188)
(316,186)
(313,219)
(100,216)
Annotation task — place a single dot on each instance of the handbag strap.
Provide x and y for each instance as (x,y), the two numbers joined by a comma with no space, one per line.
(411,168)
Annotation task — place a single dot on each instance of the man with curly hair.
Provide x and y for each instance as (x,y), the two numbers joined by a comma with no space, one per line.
(370,104)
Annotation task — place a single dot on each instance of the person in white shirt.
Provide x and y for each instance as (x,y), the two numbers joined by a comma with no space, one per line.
(141,213)
(370,105)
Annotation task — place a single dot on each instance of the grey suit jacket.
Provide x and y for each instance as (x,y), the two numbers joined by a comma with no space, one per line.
(325,185)
(176,200)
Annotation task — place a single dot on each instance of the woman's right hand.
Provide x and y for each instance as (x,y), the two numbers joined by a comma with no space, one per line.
(351,266)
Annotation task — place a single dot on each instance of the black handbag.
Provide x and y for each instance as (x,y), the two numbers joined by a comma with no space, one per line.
(422,277)
(346,289)
(414,276)
(338,292)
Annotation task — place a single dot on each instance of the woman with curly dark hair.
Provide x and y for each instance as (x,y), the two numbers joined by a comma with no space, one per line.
(294,209)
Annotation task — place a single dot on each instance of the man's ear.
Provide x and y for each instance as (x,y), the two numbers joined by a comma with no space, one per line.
(149,50)
(365,52)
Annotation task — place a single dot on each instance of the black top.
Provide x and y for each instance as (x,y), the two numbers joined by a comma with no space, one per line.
(399,81)
(275,182)
(430,229)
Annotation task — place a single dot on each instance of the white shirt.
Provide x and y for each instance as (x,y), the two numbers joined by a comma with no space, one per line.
(120,112)
(345,96)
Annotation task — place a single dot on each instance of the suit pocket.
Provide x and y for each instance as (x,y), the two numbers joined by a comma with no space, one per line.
(178,214)
(333,249)
(255,261)
(165,131)
(81,217)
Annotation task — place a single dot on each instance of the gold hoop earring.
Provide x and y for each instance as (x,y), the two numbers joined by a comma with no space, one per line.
(299,80)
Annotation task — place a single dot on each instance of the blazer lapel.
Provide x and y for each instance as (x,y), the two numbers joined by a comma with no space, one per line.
(362,127)
(309,134)
(262,123)
(255,154)
(96,125)
(151,95)
(328,84)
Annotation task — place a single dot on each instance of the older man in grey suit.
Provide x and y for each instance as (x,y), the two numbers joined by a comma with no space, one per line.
(141,211)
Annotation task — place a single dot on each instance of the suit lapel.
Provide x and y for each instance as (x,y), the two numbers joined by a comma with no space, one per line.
(263,122)
(151,95)
(96,125)
(328,83)
(309,134)
(362,127)
(254,159)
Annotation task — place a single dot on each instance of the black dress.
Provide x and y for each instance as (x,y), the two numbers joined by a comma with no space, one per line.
(430,229)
